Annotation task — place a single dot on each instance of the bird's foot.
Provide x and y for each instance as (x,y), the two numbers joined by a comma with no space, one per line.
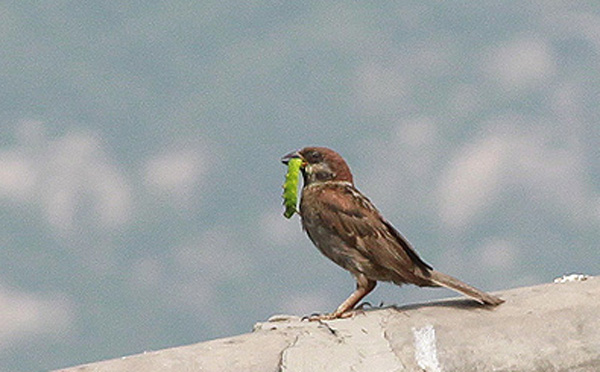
(352,313)
(319,317)
(334,315)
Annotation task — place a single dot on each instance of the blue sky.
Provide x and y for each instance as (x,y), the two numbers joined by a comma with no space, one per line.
(139,158)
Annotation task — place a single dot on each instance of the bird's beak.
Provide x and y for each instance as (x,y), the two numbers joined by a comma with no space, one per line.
(291,155)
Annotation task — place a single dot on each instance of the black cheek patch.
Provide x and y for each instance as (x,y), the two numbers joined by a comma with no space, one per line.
(323,175)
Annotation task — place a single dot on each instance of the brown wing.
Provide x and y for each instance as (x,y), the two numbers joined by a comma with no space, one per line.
(355,219)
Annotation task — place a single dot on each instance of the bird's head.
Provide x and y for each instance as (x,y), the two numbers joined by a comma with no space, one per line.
(320,164)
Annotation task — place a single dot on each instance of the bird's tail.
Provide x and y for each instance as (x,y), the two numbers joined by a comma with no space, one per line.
(455,284)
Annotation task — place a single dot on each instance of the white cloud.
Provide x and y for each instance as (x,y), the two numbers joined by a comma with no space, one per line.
(176,173)
(400,163)
(26,315)
(575,24)
(77,167)
(472,180)
(17,175)
(499,254)
(465,99)
(66,176)
(542,162)
(521,63)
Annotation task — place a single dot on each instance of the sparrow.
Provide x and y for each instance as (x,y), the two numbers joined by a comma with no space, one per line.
(347,228)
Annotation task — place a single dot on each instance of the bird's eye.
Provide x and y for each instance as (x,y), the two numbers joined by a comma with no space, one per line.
(314,157)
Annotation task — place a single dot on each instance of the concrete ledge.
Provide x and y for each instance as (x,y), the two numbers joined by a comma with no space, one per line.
(550,327)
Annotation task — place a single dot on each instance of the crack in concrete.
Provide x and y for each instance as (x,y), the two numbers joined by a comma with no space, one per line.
(282,365)
(383,321)
(331,330)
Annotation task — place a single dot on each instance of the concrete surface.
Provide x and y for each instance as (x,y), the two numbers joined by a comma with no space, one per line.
(550,327)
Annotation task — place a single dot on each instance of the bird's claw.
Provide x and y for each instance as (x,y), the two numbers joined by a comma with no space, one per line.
(319,317)
(333,316)
(352,313)
(363,305)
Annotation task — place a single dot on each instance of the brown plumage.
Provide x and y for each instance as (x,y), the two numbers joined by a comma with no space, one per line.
(347,228)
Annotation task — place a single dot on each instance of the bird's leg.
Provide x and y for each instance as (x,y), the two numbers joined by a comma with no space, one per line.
(363,287)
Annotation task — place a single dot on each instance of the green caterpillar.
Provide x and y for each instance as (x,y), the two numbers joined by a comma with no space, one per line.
(290,187)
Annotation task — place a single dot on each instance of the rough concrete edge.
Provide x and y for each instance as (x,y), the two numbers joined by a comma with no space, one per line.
(294,338)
